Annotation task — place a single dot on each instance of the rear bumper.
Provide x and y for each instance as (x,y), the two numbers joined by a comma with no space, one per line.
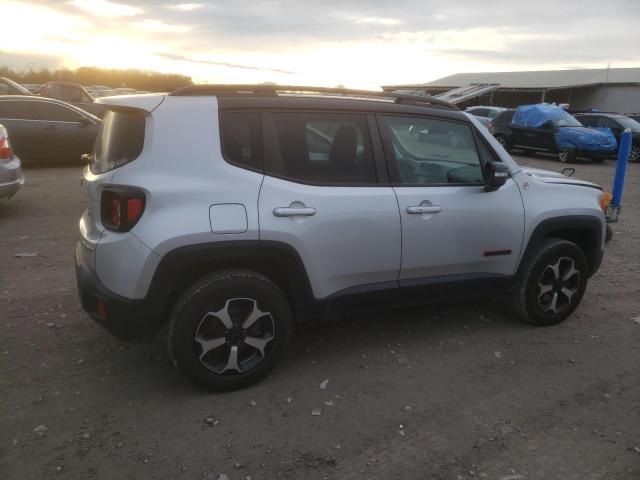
(11,178)
(126,319)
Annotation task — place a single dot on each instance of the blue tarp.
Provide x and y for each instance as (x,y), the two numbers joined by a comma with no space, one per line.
(569,132)
(582,138)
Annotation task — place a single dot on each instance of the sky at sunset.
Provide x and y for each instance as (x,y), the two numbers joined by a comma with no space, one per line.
(356,43)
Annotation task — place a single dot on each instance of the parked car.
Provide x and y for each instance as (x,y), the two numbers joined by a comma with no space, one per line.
(485,114)
(98,91)
(74,94)
(549,128)
(11,176)
(618,124)
(362,204)
(634,116)
(45,130)
(9,87)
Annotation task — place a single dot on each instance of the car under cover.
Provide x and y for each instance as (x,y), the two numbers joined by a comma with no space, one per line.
(575,137)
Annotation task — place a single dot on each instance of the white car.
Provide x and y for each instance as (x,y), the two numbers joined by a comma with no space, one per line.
(11,176)
(229,213)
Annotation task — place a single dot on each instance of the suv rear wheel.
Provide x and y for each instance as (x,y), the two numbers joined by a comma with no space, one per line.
(229,330)
(502,140)
(552,283)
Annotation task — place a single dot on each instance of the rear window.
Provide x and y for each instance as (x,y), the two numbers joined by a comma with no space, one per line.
(119,141)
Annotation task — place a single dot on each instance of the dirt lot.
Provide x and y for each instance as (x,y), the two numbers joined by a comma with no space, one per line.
(446,392)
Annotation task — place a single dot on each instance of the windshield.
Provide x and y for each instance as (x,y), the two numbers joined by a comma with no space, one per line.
(560,118)
(627,122)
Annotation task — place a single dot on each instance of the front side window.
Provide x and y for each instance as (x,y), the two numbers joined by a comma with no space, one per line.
(433,152)
(323,148)
(588,121)
(56,113)
(241,141)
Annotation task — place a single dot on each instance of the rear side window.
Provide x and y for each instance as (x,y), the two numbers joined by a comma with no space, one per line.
(241,139)
(504,117)
(19,110)
(323,149)
(119,141)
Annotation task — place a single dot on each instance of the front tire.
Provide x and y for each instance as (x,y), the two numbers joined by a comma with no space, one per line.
(228,330)
(552,282)
(634,155)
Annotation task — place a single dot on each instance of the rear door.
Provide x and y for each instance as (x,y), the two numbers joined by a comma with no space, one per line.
(325,193)
(451,227)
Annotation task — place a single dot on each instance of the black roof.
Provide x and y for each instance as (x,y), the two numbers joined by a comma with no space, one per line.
(321,98)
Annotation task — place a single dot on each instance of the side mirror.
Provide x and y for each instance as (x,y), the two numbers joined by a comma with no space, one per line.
(496,175)
(87,157)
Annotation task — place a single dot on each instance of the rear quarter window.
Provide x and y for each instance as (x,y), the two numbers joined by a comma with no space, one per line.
(120,140)
(240,135)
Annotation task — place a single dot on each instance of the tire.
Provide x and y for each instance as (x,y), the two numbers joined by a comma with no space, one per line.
(502,140)
(567,155)
(634,155)
(537,273)
(213,313)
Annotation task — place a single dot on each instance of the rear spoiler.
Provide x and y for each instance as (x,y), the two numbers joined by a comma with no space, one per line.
(146,103)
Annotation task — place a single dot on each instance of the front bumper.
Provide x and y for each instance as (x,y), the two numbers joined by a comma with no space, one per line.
(126,319)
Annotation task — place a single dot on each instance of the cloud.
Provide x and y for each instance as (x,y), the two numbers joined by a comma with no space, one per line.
(183,7)
(105,8)
(184,58)
(160,26)
(377,20)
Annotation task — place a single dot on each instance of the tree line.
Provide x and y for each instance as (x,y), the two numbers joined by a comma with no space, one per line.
(114,78)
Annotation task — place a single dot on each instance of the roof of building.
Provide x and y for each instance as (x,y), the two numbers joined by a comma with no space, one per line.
(541,79)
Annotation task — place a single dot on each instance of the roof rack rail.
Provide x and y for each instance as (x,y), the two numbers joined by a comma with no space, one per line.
(399,97)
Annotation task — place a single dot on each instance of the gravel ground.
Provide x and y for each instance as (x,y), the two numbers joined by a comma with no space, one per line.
(444,392)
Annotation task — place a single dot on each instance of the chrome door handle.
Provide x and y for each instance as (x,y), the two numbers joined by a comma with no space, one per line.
(424,209)
(293,211)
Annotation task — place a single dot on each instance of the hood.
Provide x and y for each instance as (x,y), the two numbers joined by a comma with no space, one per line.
(548,176)
(583,138)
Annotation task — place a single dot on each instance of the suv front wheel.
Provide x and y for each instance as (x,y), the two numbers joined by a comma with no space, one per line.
(552,282)
(229,330)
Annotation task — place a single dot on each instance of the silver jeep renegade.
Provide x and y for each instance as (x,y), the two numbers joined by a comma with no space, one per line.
(228,213)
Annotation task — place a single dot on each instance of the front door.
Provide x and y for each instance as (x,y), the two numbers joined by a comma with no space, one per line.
(322,195)
(451,227)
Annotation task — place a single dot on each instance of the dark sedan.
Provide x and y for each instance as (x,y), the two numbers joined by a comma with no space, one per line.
(46,130)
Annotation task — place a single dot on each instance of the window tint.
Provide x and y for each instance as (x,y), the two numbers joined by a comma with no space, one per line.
(607,123)
(323,148)
(433,152)
(480,112)
(504,117)
(493,113)
(588,121)
(18,110)
(119,141)
(54,112)
(241,142)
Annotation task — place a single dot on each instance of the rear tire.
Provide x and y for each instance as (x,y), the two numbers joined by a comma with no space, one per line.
(567,155)
(228,330)
(502,140)
(634,155)
(551,283)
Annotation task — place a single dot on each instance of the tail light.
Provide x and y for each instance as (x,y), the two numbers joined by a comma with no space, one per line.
(490,127)
(6,153)
(121,208)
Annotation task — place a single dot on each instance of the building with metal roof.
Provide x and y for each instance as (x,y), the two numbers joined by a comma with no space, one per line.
(604,89)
